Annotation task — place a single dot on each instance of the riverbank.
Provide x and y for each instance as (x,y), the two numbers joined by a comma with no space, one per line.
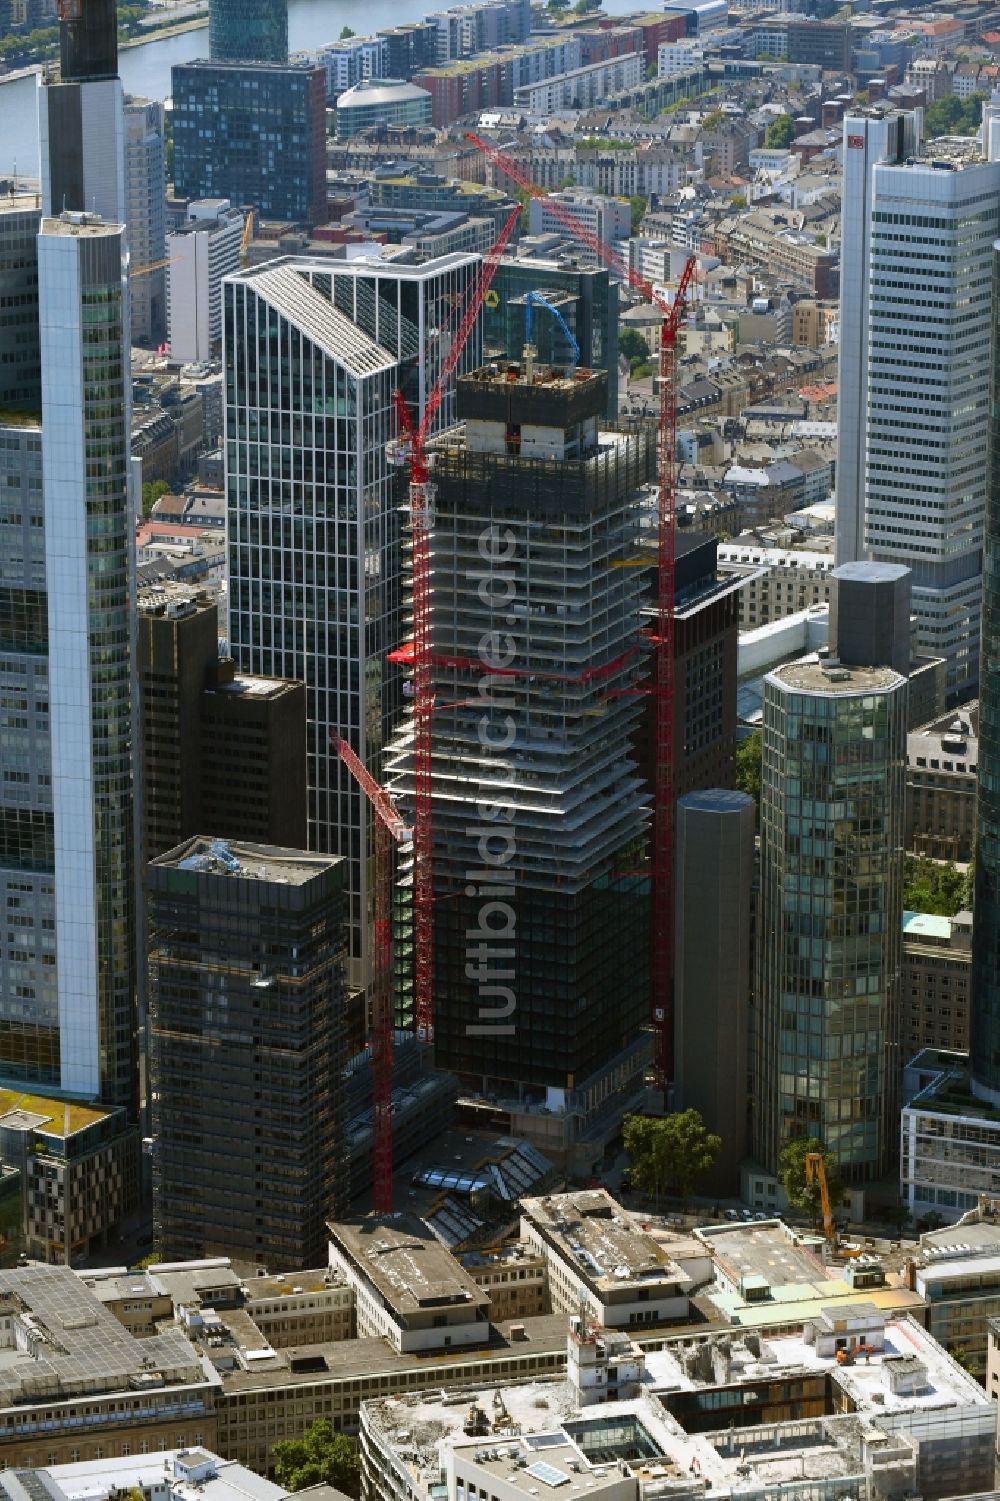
(163,32)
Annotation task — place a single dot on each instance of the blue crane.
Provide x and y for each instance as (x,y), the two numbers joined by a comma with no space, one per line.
(531,298)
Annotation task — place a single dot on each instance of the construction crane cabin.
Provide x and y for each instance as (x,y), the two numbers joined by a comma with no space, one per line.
(662,1011)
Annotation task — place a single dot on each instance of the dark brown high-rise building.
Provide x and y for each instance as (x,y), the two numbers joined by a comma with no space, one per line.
(222,753)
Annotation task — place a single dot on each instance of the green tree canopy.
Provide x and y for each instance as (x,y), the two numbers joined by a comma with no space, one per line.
(749,760)
(632,345)
(669,1153)
(952,116)
(780,133)
(937,887)
(584,7)
(803,1196)
(346,33)
(151,492)
(638,205)
(319,1457)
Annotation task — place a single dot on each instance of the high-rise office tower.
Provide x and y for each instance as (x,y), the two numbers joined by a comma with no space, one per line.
(272,117)
(410,308)
(714,892)
(248,31)
(81,119)
(20,367)
(247,1045)
(831,903)
(83,320)
(541,925)
(915,339)
(985,1052)
(313,532)
(204,249)
(145,216)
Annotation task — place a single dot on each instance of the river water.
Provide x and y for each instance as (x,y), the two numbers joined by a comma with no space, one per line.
(145,70)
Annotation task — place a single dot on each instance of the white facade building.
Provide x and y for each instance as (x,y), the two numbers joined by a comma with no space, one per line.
(678,57)
(785,580)
(201,253)
(608,218)
(914,370)
(582,88)
(85,460)
(352,61)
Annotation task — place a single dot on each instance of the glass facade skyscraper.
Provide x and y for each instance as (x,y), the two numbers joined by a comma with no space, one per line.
(313,531)
(829,935)
(249,31)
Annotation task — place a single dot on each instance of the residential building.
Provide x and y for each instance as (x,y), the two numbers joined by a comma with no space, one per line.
(204,250)
(583,88)
(831,826)
(608,218)
(587,299)
(248,31)
(602,1266)
(935,983)
(408,1288)
(223,752)
(679,57)
(81,119)
(351,60)
(903,502)
(145,218)
(44,1411)
(79,1172)
(942,766)
(985,1053)
(532,445)
(381,101)
(713,885)
(785,580)
(247,1049)
(273,117)
(80,841)
(329,425)
(701,1407)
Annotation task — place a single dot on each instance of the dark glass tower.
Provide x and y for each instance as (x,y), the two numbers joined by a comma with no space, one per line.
(248,31)
(88,41)
(986,932)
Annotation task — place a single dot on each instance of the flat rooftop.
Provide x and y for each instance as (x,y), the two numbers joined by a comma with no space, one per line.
(408,1265)
(53,1116)
(291,1284)
(591,1230)
(80,226)
(813,675)
(766,1250)
(244,861)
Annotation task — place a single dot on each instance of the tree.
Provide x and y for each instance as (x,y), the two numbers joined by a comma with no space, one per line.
(952,116)
(780,133)
(738,202)
(346,33)
(802,1195)
(319,1457)
(668,1153)
(557,7)
(749,761)
(638,205)
(151,493)
(632,345)
(936,886)
(584,7)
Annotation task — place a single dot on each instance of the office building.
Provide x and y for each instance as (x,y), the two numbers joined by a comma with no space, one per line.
(950,1138)
(713,893)
(248,31)
(985,1056)
(145,217)
(246,995)
(552,751)
(587,298)
(381,101)
(942,766)
(935,983)
(912,444)
(170,1475)
(272,117)
(201,252)
(403,303)
(222,752)
(81,118)
(828,941)
(698,1408)
(80,841)
(334,626)
(870,615)
(610,219)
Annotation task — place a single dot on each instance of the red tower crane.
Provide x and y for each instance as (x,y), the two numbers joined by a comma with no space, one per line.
(421,520)
(663,639)
(389,825)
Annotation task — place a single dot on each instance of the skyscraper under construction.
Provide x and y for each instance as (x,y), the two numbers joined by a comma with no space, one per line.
(540,919)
